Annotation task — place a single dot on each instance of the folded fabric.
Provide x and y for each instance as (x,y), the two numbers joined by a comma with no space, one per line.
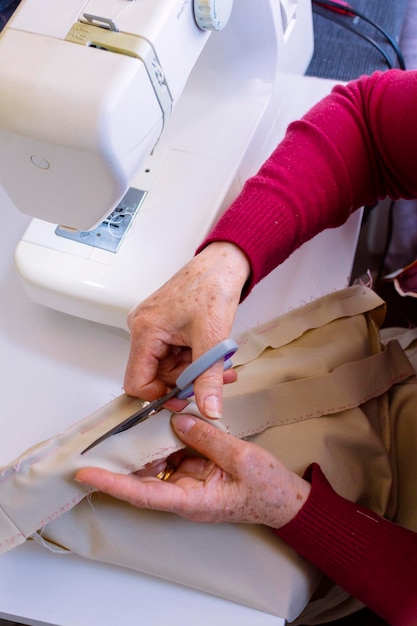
(312,386)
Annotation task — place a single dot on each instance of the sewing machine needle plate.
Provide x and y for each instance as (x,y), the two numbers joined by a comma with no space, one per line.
(110,233)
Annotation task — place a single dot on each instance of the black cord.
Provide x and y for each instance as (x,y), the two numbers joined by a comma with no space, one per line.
(346,11)
(323,12)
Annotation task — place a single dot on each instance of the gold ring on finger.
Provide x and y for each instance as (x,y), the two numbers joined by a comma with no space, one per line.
(166,473)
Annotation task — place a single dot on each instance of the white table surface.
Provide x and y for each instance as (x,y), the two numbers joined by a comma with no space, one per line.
(56,369)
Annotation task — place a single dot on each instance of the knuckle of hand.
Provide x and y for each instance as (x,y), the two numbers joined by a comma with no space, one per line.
(204,437)
(244,454)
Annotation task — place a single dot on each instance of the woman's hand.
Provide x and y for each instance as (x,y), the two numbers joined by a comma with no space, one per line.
(194,310)
(236,481)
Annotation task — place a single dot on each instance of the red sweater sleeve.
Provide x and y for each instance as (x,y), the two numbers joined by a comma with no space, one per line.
(354,147)
(368,556)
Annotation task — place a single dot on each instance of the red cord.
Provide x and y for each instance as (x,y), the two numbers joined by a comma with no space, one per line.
(343,11)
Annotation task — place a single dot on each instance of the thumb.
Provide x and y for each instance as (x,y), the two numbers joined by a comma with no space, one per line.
(208,391)
(216,445)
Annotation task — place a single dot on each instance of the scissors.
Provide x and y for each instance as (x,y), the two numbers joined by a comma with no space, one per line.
(183,388)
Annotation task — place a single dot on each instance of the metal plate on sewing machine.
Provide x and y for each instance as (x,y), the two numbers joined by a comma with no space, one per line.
(110,233)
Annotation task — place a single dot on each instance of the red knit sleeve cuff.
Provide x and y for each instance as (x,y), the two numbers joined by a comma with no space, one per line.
(368,556)
(330,531)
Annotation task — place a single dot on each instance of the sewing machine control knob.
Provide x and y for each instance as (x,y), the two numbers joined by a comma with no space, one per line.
(212,14)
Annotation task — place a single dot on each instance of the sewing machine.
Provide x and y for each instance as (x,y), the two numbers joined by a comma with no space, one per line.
(132,125)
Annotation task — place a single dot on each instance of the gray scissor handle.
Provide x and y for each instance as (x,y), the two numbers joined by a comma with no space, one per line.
(223,350)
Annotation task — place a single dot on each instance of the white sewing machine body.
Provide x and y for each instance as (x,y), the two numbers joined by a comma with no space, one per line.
(88,130)
(91,118)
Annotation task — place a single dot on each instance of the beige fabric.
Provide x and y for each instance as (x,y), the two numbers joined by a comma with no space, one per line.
(312,387)
(403,411)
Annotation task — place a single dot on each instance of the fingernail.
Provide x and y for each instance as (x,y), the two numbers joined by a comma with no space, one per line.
(183,423)
(211,407)
(79,480)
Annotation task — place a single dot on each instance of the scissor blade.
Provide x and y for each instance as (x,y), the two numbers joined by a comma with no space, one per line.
(183,389)
(132,420)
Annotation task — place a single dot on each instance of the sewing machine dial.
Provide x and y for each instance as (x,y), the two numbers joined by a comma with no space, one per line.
(212,14)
